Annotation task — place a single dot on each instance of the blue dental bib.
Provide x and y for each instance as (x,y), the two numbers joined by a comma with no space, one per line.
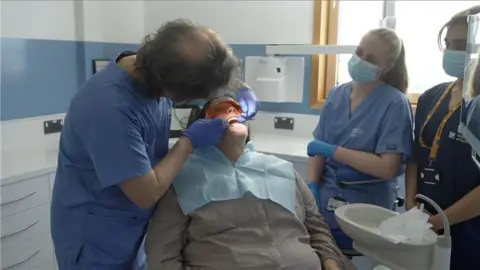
(208,176)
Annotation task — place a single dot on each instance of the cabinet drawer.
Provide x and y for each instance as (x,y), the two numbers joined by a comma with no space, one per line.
(20,196)
(35,254)
(25,226)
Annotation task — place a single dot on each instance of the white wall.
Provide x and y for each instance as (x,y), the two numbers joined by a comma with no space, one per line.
(39,19)
(87,20)
(84,20)
(113,21)
(238,22)
(241,22)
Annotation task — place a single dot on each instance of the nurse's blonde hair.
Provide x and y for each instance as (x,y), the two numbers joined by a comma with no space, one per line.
(397,76)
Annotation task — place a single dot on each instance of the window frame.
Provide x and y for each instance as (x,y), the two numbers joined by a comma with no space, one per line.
(323,67)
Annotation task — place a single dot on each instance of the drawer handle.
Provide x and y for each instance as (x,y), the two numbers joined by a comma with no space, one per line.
(22,261)
(21,230)
(18,199)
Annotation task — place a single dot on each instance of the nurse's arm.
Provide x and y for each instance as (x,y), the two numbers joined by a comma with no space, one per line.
(315,168)
(411,184)
(166,235)
(411,171)
(146,190)
(321,240)
(393,144)
(382,166)
(466,208)
(316,164)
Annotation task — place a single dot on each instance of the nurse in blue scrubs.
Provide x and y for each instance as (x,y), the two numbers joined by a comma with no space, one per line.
(364,134)
(442,168)
(114,160)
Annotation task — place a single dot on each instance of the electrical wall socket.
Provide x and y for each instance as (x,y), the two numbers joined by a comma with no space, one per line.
(52,126)
(283,123)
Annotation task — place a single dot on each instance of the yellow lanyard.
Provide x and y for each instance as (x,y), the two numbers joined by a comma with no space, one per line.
(438,134)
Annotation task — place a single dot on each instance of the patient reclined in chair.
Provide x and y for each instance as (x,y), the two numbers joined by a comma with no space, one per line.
(233,208)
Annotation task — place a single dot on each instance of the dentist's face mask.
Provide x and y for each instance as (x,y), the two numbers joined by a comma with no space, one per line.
(361,70)
(454,63)
(226,108)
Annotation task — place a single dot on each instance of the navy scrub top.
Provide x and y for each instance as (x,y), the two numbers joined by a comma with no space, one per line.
(458,174)
(112,132)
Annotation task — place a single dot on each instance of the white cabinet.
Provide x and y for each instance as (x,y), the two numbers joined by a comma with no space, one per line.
(52,180)
(25,224)
(23,195)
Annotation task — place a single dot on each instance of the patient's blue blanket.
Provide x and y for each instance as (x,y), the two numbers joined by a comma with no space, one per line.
(208,176)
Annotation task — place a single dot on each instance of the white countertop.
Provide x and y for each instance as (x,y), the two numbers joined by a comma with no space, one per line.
(27,163)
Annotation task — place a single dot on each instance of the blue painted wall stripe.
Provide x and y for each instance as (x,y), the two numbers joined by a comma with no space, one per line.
(39,77)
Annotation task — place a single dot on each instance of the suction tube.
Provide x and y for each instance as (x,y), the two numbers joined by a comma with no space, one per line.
(443,247)
(446,224)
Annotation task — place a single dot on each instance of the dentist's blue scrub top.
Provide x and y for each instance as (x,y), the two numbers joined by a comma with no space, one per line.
(381,124)
(457,173)
(112,132)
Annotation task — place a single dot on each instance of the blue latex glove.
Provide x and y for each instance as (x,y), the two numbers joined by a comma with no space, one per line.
(315,189)
(248,102)
(320,148)
(206,132)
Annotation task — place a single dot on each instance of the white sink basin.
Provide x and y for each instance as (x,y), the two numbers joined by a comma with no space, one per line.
(361,223)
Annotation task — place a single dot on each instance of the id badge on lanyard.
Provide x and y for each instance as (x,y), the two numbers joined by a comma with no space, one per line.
(428,174)
(335,202)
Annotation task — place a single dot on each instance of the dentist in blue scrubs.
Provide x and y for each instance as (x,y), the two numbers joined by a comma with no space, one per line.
(114,160)
(442,168)
(364,134)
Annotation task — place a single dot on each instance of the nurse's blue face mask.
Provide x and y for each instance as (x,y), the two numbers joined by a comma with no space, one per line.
(361,70)
(454,63)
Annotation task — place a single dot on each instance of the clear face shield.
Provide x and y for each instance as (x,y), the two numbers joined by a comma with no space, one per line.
(470,114)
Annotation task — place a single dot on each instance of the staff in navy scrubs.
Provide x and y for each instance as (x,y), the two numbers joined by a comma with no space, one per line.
(443,169)
(114,160)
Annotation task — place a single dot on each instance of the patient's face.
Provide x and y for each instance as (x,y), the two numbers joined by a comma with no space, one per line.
(228,109)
